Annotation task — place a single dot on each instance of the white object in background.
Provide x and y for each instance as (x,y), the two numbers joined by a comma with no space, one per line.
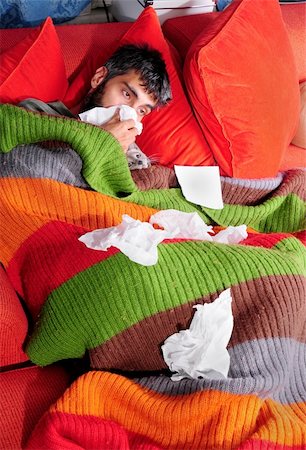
(135,239)
(100,115)
(129,10)
(201,185)
(184,225)
(200,351)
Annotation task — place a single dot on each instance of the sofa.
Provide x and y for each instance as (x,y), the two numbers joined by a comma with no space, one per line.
(28,390)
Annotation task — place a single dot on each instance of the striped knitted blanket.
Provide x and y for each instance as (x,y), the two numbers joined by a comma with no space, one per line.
(119,313)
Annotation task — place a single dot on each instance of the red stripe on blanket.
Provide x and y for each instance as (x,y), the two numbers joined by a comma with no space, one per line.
(55,244)
(301,235)
(267,240)
(57,430)
(63,255)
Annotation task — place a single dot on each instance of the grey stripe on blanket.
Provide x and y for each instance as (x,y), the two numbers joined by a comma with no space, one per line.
(37,161)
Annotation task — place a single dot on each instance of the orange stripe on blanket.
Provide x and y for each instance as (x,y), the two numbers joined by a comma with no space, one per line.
(28,204)
(201,420)
(282,424)
(204,419)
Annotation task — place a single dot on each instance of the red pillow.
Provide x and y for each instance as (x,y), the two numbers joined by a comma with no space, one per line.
(243,84)
(34,67)
(172,134)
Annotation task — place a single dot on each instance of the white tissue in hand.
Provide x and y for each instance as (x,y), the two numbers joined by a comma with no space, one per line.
(182,225)
(135,239)
(100,115)
(200,351)
(126,112)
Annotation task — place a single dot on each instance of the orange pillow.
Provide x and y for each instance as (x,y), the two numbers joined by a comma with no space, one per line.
(243,85)
(172,134)
(34,67)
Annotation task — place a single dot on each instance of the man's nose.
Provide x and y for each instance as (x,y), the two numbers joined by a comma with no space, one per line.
(134,104)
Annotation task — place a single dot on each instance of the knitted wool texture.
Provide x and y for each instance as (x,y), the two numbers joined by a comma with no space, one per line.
(103,410)
(122,312)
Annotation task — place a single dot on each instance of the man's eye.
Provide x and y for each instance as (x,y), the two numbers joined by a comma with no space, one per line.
(142,112)
(126,94)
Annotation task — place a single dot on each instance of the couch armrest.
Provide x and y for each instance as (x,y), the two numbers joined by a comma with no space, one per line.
(13,324)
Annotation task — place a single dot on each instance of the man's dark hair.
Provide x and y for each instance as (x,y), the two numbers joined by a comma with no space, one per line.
(147,63)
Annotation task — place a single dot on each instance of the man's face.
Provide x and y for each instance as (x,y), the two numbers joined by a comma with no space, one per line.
(126,89)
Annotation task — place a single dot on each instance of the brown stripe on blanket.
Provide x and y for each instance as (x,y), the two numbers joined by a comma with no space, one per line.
(263,308)
(248,196)
(251,192)
(154,177)
(294,181)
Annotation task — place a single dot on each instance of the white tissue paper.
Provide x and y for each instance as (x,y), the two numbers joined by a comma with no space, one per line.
(200,351)
(184,225)
(201,185)
(138,240)
(100,115)
(135,239)
(231,235)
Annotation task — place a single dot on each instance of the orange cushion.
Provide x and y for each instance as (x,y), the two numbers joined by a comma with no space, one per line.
(172,134)
(243,84)
(34,67)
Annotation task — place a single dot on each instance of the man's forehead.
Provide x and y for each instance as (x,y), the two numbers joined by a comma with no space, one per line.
(134,82)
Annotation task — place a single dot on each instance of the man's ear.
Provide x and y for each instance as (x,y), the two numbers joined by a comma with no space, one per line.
(98,77)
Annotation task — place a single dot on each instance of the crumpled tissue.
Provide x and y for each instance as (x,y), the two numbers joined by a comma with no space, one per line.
(200,351)
(135,239)
(138,240)
(182,225)
(231,235)
(100,115)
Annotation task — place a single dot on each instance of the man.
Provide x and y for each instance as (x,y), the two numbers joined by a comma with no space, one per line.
(135,76)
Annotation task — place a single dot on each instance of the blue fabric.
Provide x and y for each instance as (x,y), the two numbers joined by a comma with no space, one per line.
(30,13)
(222,4)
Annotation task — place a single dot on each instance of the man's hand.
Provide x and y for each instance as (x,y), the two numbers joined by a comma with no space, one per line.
(124,131)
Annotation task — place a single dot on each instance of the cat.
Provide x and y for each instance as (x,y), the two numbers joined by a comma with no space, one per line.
(136,158)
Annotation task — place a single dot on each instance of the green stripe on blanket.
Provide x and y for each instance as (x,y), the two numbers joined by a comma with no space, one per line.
(106,170)
(94,145)
(115,294)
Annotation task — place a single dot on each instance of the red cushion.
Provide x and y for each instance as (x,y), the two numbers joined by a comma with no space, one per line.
(85,47)
(182,31)
(245,97)
(34,67)
(171,135)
